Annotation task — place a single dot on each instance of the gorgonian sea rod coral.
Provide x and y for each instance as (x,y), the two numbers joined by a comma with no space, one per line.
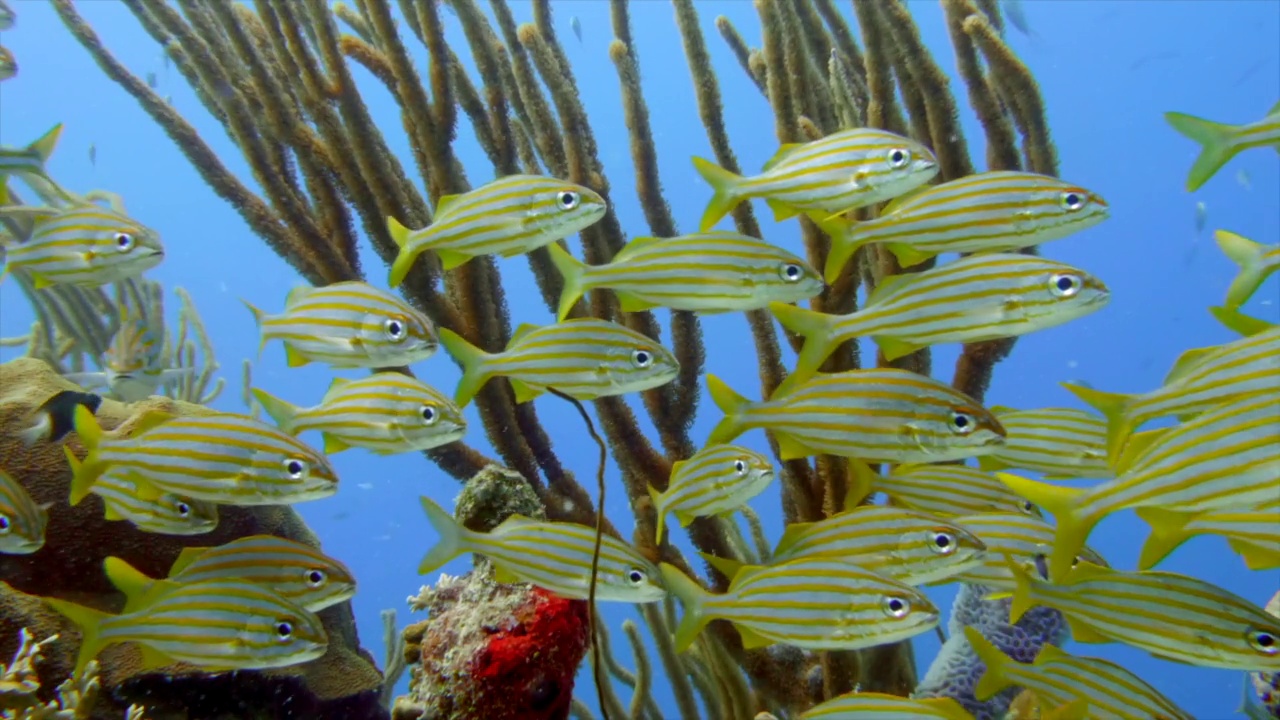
(278,77)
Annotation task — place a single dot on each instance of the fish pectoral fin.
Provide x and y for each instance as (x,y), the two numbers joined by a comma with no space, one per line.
(88,256)
(153,659)
(633,303)
(752,639)
(294,357)
(524,391)
(145,491)
(503,575)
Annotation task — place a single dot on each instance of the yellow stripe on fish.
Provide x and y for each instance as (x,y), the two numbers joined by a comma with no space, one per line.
(1058,678)
(1056,442)
(942,490)
(386,413)
(881,706)
(217,626)
(29,162)
(295,571)
(1171,616)
(882,414)
(1015,535)
(1257,262)
(1226,458)
(984,212)
(584,358)
(976,298)
(842,171)
(22,521)
(84,244)
(1201,378)
(1253,533)
(816,603)
(509,216)
(348,325)
(555,556)
(1219,143)
(909,546)
(716,480)
(709,272)
(220,458)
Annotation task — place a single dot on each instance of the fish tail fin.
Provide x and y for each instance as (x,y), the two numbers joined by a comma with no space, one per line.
(694,599)
(994,679)
(726,197)
(259,318)
(1248,255)
(1168,531)
(1074,526)
(1114,407)
(1216,145)
(732,405)
(1239,322)
(861,478)
(728,567)
(574,273)
(129,580)
(845,241)
(656,498)
(472,360)
(451,541)
(85,473)
(284,413)
(44,145)
(816,329)
(1024,590)
(404,259)
(89,622)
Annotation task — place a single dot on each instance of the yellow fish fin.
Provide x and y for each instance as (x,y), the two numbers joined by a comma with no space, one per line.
(790,535)
(145,491)
(185,558)
(110,512)
(522,330)
(732,405)
(1217,145)
(472,359)
(887,287)
(132,582)
(445,202)
(908,255)
(1256,557)
(727,193)
(655,496)
(991,464)
(453,537)
(1083,632)
(1247,254)
(152,659)
(334,444)
(574,273)
(693,597)
(1114,407)
(398,232)
(503,575)
(783,151)
(89,622)
(728,567)
(150,420)
(1077,709)
(450,259)
(1137,444)
(636,245)
(751,639)
(1074,526)
(524,391)
(994,679)
(894,348)
(781,211)
(684,518)
(296,295)
(1237,321)
(789,448)
(40,281)
(1186,363)
(630,302)
(861,481)
(1168,531)
(294,357)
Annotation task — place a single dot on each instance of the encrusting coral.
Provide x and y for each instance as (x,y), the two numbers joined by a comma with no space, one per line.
(278,77)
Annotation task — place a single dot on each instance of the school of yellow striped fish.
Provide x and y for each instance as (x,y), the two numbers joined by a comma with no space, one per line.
(846,582)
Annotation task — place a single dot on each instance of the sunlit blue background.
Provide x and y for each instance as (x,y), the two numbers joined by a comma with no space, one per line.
(1108,70)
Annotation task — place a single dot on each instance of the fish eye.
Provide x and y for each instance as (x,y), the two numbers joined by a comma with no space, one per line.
(568,199)
(295,468)
(1072,201)
(635,576)
(124,242)
(898,157)
(1065,285)
(284,630)
(740,467)
(395,329)
(791,272)
(5,525)
(962,423)
(641,358)
(315,578)
(895,607)
(944,543)
(182,508)
(429,414)
(1027,507)
(1264,642)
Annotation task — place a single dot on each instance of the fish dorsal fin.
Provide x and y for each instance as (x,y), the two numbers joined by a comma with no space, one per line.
(296,295)
(1275,109)
(636,245)
(1050,653)
(445,202)
(887,287)
(336,385)
(150,420)
(1187,362)
(512,522)
(781,155)
(790,536)
(901,201)
(185,558)
(675,468)
(521,331)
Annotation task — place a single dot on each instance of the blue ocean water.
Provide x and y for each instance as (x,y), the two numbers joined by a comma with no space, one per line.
(1107,70)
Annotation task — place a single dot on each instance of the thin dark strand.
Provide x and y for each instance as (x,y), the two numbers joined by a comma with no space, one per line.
(597,662)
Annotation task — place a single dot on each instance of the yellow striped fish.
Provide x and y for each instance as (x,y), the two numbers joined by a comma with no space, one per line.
(882,414)
(1171,616)
(218,625)
(133,366)
(881,706)
(709,272)
(1014,534)
(1219,143)
(8,64)
(1056,442)
(6,16)
(976,298)
(555,556)
(942,490)
(984,212)
(584,358)
(295,571)
(167,514)
(1257,262)
(1225,458)
(909,546)
(22,521)
(1253,533)
(842,171)
(1058,678)
(28,162)
(509,216)
(387,413)
(817,603)
(1202,378)
(85,245)
(716,480)
(220,458)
